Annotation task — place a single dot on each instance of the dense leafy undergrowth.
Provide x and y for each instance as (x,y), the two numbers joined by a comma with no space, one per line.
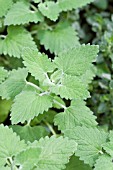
(56,109)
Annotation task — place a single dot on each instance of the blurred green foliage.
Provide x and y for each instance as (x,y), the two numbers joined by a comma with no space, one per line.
(95,26)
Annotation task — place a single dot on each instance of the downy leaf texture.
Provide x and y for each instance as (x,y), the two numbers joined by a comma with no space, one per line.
(5,6)
(14,42)
(3,74)
(10,144)
(61,38)
(14,84)
(70,87)
(77,61)
(29,104)
(55,152)
(66,5)
(38,64)
(104,162)
(50,9)
(77,114)
(20,13)
(90,141)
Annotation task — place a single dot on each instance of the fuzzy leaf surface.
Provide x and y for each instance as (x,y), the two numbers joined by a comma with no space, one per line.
(38,64)
(70,87)
(72,61)
(59,39)
(66,5)
(5,6)
(55,152)
(16,39)
(78,114)
(10,144)
(14,84)
(3,74)
(50,9)
(90,141)
(20,13)
(29,104)
(104,162)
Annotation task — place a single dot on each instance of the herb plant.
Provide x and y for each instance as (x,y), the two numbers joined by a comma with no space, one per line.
(50,126)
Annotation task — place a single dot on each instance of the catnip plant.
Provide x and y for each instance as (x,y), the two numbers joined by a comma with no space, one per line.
(50,125)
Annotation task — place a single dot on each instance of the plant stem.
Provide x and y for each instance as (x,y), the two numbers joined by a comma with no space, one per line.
(63,106)
(33,7)
(38,88)
(50,128)
(33,85)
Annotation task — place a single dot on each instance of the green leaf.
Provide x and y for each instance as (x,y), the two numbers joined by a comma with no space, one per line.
(50,9)
(59,39)
(20,13)
(59,102)
(108,147)
(5,168)
(17,39)
(111,136)
(89,141)
(37,1)
(4,7)
(104,162)
(55,152)
(29,104)
(66,5)
(88,76)
(45,117)
(29,133)
(38,64)
(77,114)
(76,164)
(71,62)
(3,74)
(14,84)
(28,158)
(4,111)
(10,144)
(70,87)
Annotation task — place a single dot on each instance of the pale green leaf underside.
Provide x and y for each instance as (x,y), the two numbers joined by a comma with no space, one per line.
(29,104)
(50,9)
(10,144)
(61,38)
(3,74)
(16,39)
(70,87)
(4,6)
(78,60)
(104,162)
(38,64)
(89,141)
(20,13)
(14,84)
(76,164)
(77,114)
(55,152)
(66,5)
(29,133)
